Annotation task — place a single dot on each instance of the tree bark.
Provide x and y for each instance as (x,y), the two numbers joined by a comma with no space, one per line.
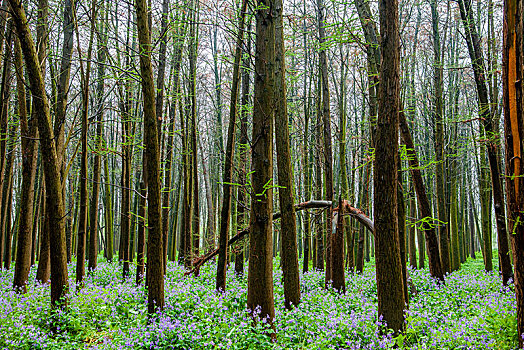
(438,117)
(435,267)
(328,153)
(492,134)
(288,225)
(59,277)
(29,158)
(389,270)
(83,216)
(97,162)
(155,271)
(513,57)
(225,214)
(260,274)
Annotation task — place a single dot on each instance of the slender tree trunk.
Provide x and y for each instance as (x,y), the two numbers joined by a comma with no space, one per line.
(288,225)
(169,153)
(328,153)
(141,244)
(82,225)
(225,215)
(438,117)
(29,158)
(195,203)
(159,107)
(44,263)
(108,215)
(492,132)
(412,232)
(97,162)
(435,267)
(242,211)
(401,210)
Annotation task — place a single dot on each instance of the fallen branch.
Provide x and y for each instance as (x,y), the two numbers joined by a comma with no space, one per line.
(313,204)
(359,215)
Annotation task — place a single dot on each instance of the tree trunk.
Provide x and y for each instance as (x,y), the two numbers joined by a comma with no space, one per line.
(438,117)
(513,57)
(412,249)
(155,251)
(492,133)
(59,282)
(242,203)
(260,274)
(29,158)
(435,267)
(225,214)
(141,244)
(328,153)
(82,224)
(401,212)
(389,269)
(97,162)
(289,251)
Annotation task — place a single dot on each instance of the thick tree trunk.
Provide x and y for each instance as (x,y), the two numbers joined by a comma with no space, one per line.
(513,57)
(260,274)
(389,269)
(155,264)
(59,282)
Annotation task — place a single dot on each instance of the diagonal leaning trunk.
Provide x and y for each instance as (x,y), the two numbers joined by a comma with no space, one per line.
(59,277)
(492,134)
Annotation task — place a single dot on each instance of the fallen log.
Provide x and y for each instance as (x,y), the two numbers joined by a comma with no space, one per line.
(312,204)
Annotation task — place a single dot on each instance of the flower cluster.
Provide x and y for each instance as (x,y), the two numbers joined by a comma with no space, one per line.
(473,310)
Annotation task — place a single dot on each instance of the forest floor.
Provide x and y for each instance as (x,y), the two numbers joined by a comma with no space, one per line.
(472,311)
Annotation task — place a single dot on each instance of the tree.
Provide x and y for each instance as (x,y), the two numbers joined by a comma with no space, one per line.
(289,251)
(59,277)
(97,162)
(438,117)
(29,158)
(85,73)
(491,130)
(155,266)
(513,93)
(328,153)
(229,156)
(260,271)
(389,270)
